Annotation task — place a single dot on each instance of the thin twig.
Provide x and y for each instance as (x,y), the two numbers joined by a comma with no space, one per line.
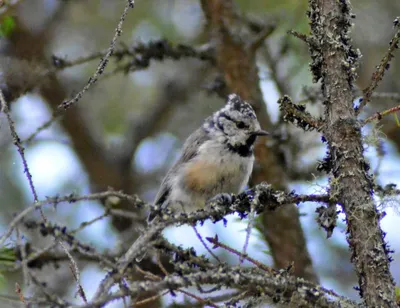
(19,292)
(214,240)
(161,266)
(92,80)
(70,199)
(205,244)
(379,115)
(147,274)
(21,150)
(249,228)
(75,271)
(150,299)
(90,222)
(377,76)
(303,37)
(35,255)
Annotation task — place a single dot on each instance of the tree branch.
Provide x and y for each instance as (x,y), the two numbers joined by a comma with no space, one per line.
(260,199)
(298,115)
(334,62)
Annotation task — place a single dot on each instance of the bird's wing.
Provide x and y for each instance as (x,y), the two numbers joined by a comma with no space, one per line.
(189,151)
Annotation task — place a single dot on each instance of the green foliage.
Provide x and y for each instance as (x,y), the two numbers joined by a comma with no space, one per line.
(7,260)
(7,26)
(7,257)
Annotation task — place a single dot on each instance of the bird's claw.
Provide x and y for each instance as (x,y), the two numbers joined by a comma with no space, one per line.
(223,198)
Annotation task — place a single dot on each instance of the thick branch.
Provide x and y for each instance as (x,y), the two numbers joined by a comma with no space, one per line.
(334,62)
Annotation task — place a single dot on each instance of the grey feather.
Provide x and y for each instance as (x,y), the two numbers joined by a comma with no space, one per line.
(189,151)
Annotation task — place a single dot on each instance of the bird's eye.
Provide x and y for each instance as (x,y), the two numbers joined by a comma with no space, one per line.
(241,125)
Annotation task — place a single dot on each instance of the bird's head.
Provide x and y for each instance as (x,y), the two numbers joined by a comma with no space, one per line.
(235,124)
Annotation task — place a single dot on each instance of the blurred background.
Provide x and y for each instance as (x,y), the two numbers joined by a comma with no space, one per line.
(128,128)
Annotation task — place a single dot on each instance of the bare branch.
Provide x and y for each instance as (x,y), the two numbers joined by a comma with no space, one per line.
(377,76)
(17,142)
(140,54)
(214,240)
(92,80)
(134,200)
(379,115)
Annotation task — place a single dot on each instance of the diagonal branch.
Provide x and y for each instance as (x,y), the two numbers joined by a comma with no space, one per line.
(377,76)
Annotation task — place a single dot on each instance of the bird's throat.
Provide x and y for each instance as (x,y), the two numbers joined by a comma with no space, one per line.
(246,149)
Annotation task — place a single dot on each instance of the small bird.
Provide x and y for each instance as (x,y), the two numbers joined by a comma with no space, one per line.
(217,159)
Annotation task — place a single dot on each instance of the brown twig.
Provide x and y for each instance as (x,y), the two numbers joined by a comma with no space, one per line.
(379,115)
(269,199)
(160,265)
(214,240)
(377,76)
(17,142)
(149,299)
(147,274)
(19,292)
(204,244)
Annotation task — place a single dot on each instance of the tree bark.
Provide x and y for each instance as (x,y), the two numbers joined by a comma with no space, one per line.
(334,63)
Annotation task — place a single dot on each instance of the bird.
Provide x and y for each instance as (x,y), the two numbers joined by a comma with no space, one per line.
(216,160)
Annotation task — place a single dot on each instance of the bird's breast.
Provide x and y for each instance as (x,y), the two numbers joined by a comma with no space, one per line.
(218,171)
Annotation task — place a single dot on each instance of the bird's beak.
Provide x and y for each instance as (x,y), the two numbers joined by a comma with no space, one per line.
(261,133)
